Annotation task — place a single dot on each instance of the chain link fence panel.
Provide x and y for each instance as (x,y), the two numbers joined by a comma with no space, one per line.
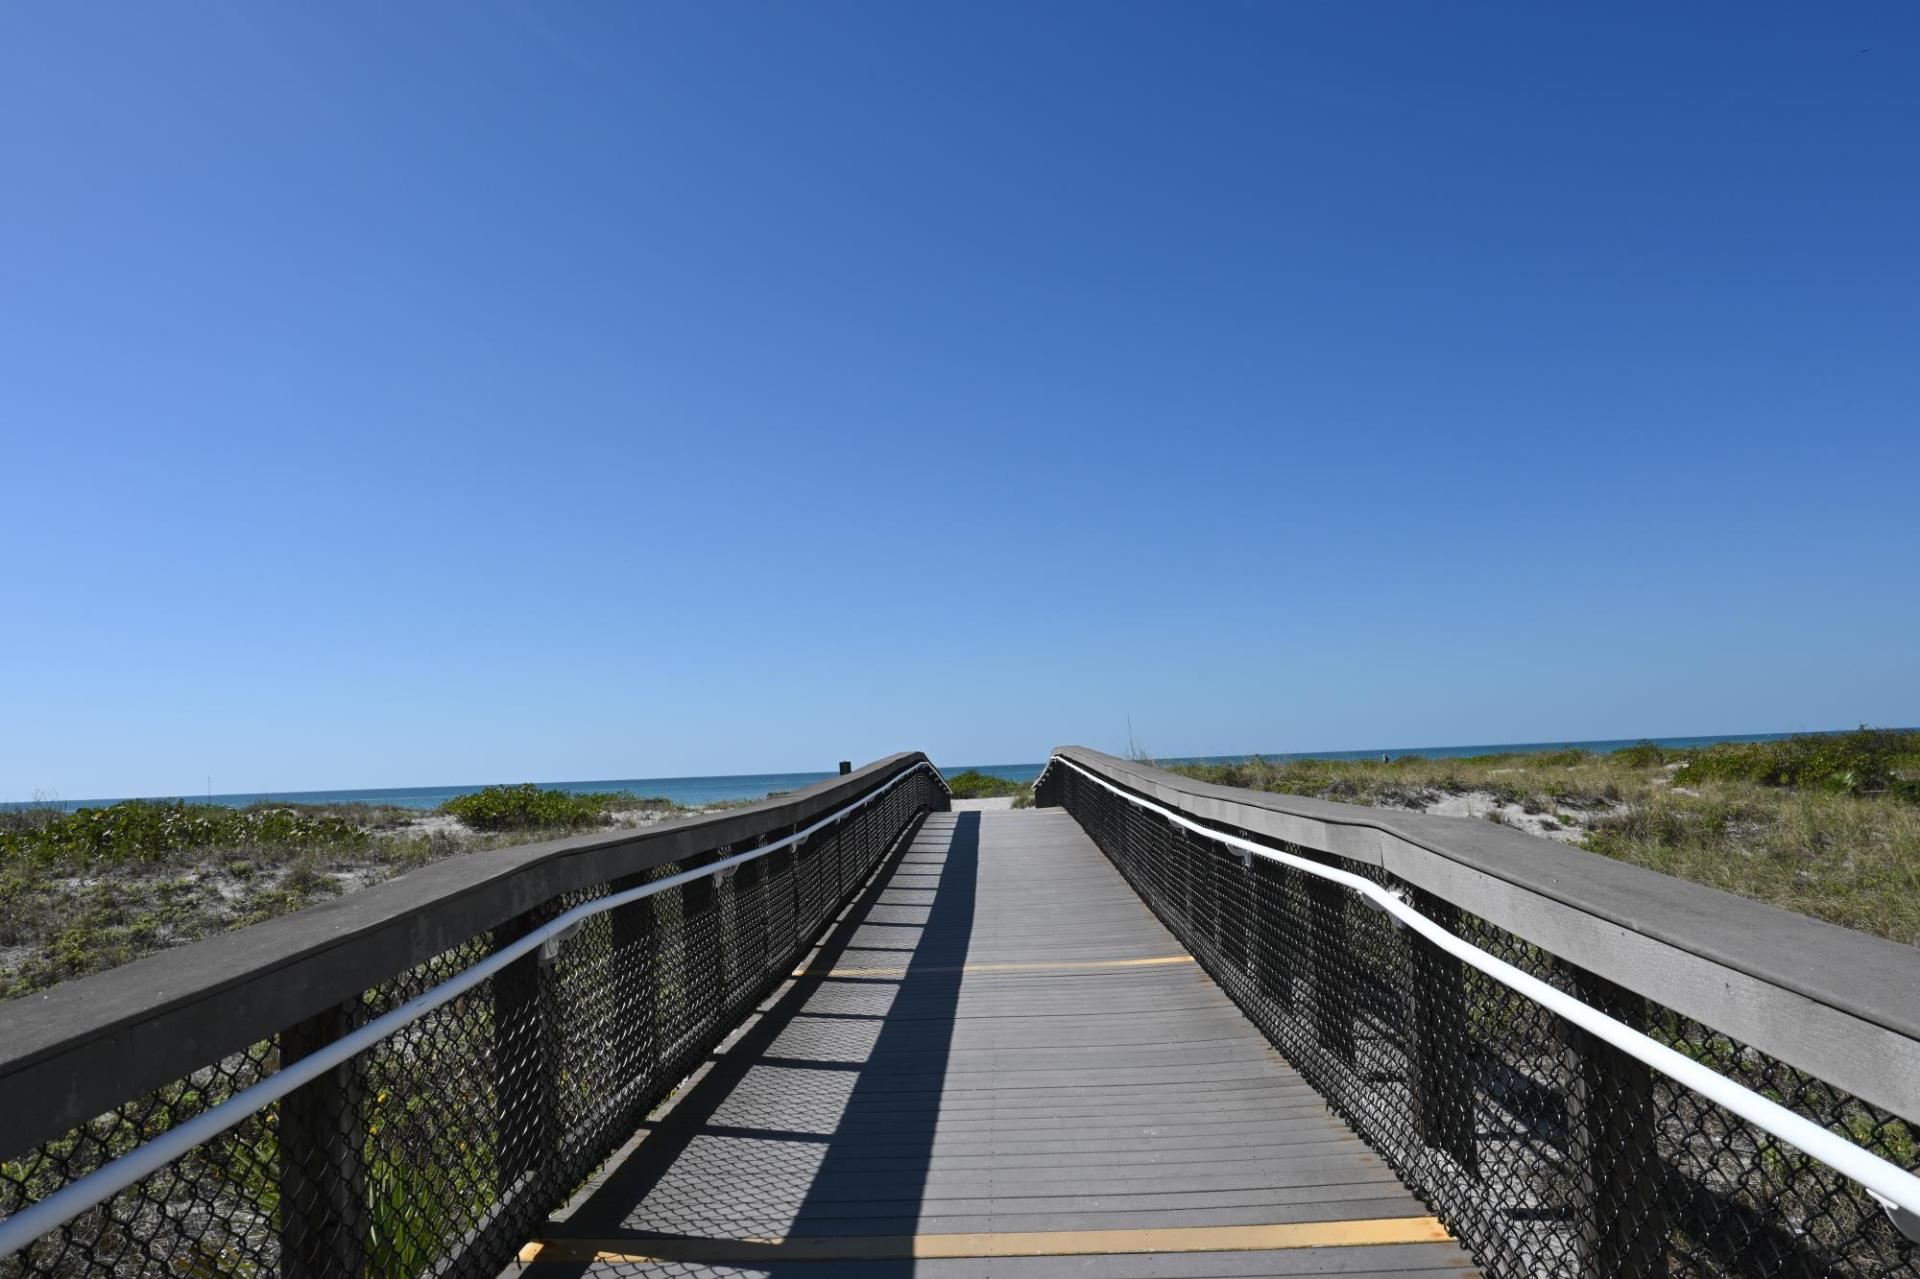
(1546,1151)
(441,1149)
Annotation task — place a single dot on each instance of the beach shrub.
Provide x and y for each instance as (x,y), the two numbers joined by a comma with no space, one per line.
(628,802)
(1569,758)
(139,830)
(974,784)
(1644,755)
(527,806)
(1827,825)
(1867,760)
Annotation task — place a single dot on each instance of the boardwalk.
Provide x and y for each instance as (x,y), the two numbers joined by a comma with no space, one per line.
(999,1063)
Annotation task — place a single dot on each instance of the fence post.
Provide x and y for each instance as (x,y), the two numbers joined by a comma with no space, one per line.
(1195,875)
(634,964)
(1046,787)
(1617,1173)
(1183,876)
(806,887)
(702,953)
(845,831)
(1234,873)
(1440,1066)
(324,1222)
(1273,939)
(783,902)
(523,1066)
(1332,966)
(750,925)
(726,925)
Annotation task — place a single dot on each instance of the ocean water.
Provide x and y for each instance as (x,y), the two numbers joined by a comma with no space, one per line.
(693,791)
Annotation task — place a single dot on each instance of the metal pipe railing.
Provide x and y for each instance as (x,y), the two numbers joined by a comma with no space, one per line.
(1894,1188)
(70,1201)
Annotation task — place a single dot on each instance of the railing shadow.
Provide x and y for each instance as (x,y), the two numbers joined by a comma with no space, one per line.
(822,1119)
(875,1176)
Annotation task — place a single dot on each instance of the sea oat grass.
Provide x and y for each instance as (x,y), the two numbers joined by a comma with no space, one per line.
(1850,860)
(1827,825)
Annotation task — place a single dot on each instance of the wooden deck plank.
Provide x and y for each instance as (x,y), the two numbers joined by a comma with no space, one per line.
(999,1043)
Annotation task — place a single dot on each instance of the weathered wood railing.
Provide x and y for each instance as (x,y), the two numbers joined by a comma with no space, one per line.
(407,1080)
(1585,1067)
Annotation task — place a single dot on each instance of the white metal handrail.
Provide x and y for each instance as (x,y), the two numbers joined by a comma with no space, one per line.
(1894,1188)
(21,1229)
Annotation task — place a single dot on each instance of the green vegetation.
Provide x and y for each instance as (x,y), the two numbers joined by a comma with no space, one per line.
(1824,824)
(425,1182)
(1554,781)
(974,784)
(529,807)
(1868,761)
(145,829)
(67,909)
(90,890)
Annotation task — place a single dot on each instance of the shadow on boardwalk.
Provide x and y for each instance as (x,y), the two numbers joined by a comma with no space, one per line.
(821,1119)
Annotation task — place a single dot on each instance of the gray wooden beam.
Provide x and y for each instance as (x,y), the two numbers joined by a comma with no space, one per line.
(1835,1003)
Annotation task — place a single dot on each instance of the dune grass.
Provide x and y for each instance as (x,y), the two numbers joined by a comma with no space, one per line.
(85,891)
(83,895)
(1824,824)
(144,829)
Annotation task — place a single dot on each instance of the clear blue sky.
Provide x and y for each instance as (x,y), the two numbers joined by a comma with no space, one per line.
(454,392)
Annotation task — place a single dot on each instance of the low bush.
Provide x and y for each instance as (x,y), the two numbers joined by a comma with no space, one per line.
(628,802)
(974,784)
(143,830)
(526,806)
(1867,760)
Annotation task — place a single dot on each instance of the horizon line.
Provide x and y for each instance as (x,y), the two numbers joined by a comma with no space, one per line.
(1321,753)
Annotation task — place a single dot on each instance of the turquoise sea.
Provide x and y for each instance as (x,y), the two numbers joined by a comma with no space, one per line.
(707,790)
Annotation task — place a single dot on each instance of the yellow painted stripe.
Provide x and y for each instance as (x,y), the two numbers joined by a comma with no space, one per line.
(1036,1243)
(1055,966)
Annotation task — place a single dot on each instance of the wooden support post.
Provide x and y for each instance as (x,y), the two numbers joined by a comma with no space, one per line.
(1215,862)
(783,902)
(866,824)
(824,878)
(1274,939)
(846,834)
(702,951)
(1333,967)
(324,1222)
(1234,874)
(1181,876)
(807,887)
(1617,1195)
(1110,816)
(524,1070)
(1440,1066)
(726,919)
(634,971)
(750,926)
